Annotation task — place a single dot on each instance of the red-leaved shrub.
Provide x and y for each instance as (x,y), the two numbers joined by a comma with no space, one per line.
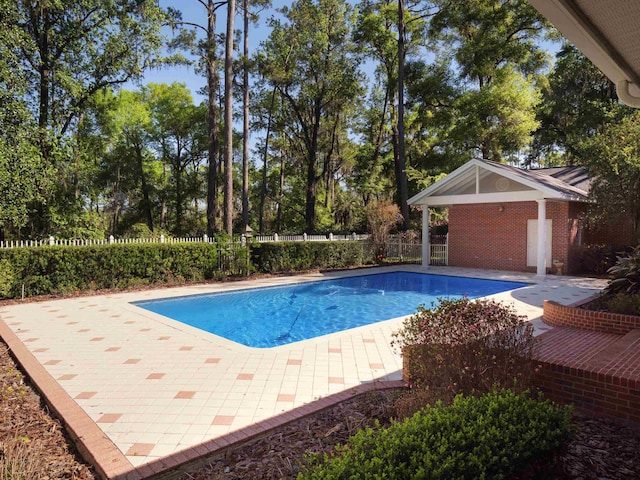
(465,346)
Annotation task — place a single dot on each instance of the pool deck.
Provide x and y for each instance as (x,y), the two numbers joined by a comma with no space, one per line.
(141,393)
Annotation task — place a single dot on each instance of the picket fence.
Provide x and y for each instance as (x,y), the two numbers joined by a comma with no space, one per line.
(51,241)
(398,248)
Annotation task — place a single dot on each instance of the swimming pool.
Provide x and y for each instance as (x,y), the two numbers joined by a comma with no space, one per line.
(272,316)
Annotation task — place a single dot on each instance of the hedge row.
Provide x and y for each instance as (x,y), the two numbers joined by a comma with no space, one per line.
(296,256)
(486,437)
(67,269)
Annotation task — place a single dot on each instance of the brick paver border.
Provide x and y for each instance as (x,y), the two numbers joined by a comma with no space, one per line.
(110,463)
(94,446)
(201,454)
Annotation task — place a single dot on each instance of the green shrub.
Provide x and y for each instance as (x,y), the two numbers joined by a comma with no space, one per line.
(625,274)
(625,303)
(65,269)
(466,346)
(6,278)
(294,256)
(473,438)
(595,259)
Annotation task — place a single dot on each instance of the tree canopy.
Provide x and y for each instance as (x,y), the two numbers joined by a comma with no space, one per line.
(347,105)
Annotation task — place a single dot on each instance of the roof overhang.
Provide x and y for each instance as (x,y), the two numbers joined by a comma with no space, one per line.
(607,33)
(440,193)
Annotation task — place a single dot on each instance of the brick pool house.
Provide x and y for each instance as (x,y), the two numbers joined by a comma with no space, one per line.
(507,218)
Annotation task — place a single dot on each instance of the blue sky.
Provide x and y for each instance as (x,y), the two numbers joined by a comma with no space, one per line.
(193,11)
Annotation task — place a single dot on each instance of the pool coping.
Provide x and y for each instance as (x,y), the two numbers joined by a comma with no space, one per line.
(110,462)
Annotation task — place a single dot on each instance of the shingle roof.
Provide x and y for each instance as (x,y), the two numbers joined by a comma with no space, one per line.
(568,180)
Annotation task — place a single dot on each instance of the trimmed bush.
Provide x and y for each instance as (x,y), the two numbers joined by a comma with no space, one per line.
(66,269)
(466,346)
(474,438)
(294,256)
(61,270)
(6,277)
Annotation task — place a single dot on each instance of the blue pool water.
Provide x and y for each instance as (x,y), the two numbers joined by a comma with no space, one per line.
(272,316)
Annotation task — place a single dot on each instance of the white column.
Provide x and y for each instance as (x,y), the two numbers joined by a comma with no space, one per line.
(542,238)
(425,236)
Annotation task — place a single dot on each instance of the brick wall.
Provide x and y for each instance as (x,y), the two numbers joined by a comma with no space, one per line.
(494,235)
(594,392)
(604,382)
(563,316)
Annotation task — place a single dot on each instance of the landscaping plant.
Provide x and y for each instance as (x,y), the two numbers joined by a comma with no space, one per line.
(464,346)
(625,274)
(488,437)
(382,217)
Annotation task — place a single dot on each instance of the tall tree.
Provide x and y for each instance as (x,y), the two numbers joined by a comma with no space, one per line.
(228,118)
(206,49)
(124,121)
(79,48)
(245,115)
(390,33)
(23,173)
(578,100)
(613,159)
(493,42)
(401,164)
(178,132)
(312,61)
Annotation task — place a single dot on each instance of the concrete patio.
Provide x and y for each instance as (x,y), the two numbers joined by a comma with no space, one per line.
(142,393)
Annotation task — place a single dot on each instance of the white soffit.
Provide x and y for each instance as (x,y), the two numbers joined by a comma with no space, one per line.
(607,32)
(459,187)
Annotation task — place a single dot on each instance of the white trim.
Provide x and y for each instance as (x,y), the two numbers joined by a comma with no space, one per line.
(623,89)
(426,249)
(541,268)
(477,180)
(429,195)
(572,22)
(501,197)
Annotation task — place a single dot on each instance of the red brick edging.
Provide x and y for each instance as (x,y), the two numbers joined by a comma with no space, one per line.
(591,391)
(201,454)
(110,463)
(94,446)
(569,316)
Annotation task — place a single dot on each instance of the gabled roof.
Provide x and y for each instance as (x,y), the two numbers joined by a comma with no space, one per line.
(607,32)
(480,181)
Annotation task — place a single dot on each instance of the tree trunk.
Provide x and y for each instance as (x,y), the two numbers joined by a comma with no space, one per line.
(214,142)
(116,202)
(310,204)
(179,195)
(312,178)
(263,189)
(146,202)
(228,119)
(401,173)
(280,194)
(245,124)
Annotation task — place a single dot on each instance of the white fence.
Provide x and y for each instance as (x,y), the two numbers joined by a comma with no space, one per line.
(309,238)
(398,248)
(162,239)
(439,250)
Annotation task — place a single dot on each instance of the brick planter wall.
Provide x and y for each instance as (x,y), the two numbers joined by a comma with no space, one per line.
(563,316)
(594,392)
(606,384)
